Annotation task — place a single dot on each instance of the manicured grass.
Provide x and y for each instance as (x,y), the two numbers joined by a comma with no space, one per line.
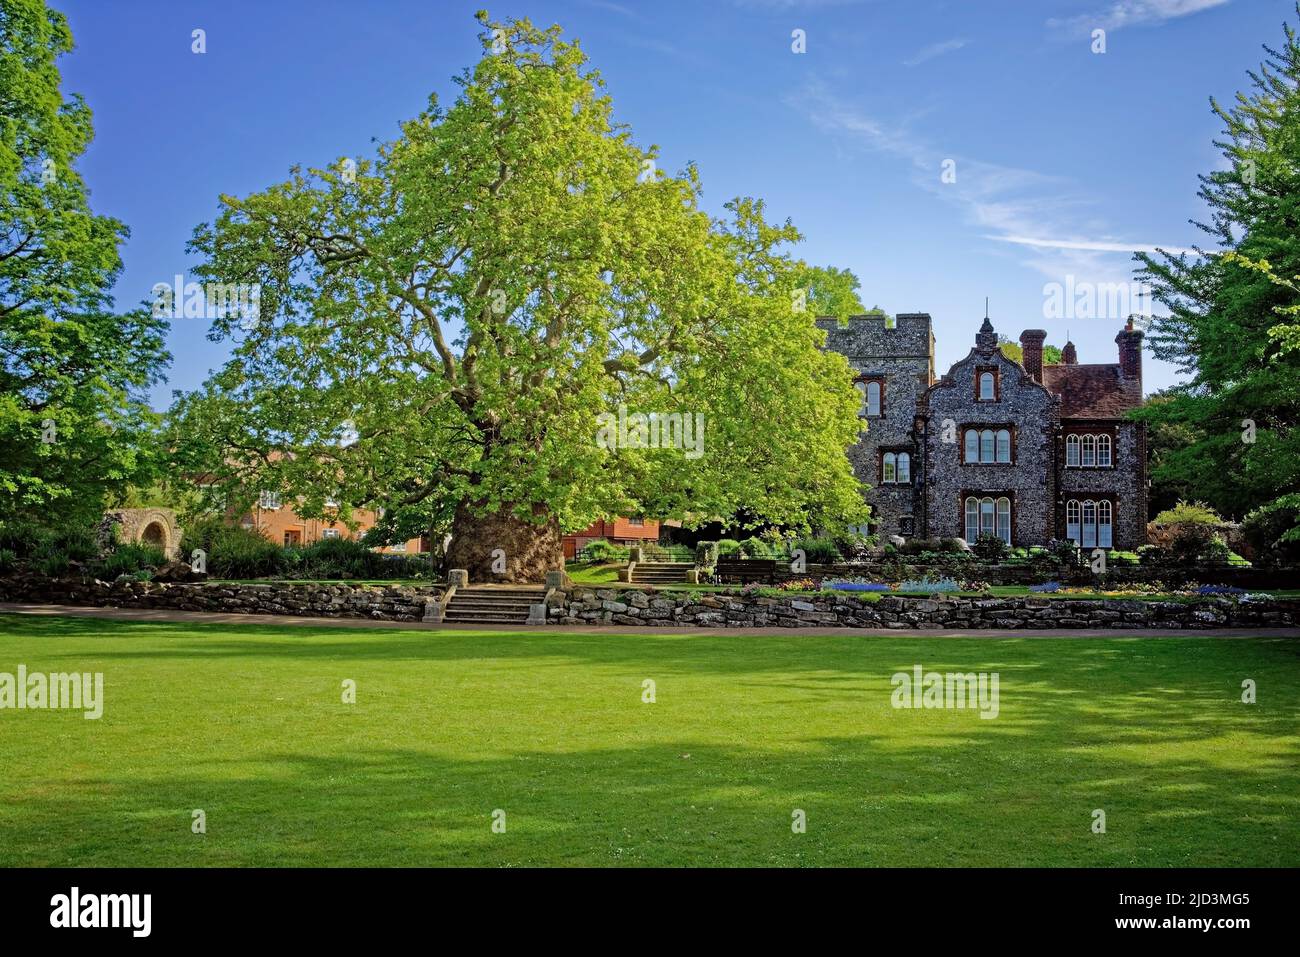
(247,723)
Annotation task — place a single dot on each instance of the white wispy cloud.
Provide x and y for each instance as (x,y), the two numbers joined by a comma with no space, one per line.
(1128,13)
(1089,244)
(934,50)
(1019,207)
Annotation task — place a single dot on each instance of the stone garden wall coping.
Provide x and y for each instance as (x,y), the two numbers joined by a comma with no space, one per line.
(649,607)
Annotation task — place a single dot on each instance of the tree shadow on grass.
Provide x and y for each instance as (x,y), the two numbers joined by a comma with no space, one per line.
(1151,732)
(956,800)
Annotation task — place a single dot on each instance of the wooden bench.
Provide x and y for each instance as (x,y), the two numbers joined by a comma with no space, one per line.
(746,570)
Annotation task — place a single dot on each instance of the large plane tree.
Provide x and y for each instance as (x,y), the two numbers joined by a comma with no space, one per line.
(449,325)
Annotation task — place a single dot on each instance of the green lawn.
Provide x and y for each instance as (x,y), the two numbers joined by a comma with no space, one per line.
(247,724)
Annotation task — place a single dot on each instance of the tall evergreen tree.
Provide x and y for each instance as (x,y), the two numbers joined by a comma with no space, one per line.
(1234,307)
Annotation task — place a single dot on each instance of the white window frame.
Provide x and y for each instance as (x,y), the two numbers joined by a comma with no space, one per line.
(991,393)
(1105,524)
(904,476)
(1002,441)
(1103,451)
(889,469)
(873,398)
(1072,458)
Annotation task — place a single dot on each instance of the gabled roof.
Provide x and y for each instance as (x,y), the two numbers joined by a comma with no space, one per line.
(1092,391)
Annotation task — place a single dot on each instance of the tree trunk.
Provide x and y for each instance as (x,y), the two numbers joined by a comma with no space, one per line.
(501,548)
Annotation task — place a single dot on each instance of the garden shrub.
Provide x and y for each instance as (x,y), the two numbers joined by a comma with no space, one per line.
(22,538)
(1272,530)
(1063,551)
(234,551)
(603,551)
(991,548)
(706,554)
(8,560)
(51,563)
(1196,513)
(819,551)
(1193,541)
(130,559)
(1151,555)
(728,547)
(755,547)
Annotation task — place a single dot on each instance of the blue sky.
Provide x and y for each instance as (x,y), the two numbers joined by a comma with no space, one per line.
(1064,158)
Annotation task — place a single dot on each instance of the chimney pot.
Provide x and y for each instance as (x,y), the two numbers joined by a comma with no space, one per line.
(1031,347)
(1130,352)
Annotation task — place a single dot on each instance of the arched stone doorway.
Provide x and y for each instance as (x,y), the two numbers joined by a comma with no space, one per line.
(146,526)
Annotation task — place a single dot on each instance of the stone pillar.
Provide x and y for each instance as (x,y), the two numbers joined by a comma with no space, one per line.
(458,577)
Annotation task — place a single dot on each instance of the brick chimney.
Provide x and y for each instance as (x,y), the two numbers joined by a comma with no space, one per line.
(1130,352)
(1031,345)
(1069,356)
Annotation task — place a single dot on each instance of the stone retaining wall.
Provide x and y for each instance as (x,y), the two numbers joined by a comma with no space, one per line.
(381,602)
(602,606)
(623,606)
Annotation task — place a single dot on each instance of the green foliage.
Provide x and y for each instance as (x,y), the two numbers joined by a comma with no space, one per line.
(50,549)
(335,558)
(51,562)
(706,554)
(1197,512)
(1194,542)
(819,551)
(831,292)
(8,561)
(602,550)
(131,559)
(78,542)
(1016,353)
(1152,555)
(74,424)
(451,322)
(1063,551)
(728,547)
(234,551)
(1273,530)
(22,537)
(755,547)
(991,548)
(1232,320)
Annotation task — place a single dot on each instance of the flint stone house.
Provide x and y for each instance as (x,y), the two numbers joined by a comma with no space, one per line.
(1025,451)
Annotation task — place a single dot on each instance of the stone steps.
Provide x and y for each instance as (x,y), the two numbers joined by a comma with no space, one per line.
(504,606)
(661,573)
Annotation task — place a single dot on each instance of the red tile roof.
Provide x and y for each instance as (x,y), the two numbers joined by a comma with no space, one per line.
(1095,391)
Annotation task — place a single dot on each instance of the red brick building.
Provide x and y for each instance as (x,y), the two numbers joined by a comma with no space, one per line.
(618,531)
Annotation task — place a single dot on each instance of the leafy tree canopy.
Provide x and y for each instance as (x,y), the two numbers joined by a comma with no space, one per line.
(1233,308)
(467,304)
(72,373)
